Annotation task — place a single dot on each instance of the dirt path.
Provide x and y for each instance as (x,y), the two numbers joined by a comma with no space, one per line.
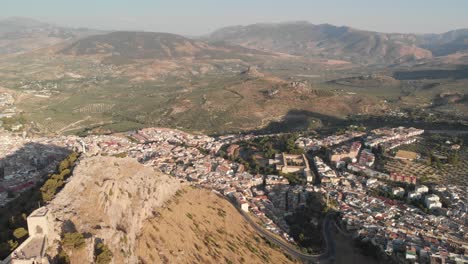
(73,124)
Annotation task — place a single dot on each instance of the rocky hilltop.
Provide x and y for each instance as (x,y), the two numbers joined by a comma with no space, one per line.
(108,199)
(144,216)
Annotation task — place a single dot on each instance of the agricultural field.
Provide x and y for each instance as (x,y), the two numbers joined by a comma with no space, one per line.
(57,93)
(440,161)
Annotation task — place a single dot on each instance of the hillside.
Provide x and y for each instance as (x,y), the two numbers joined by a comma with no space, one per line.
(198,227)
(126,45)
(446,43)
(305,39)
(144,216)
(373,80)
(22,35)
(116,195)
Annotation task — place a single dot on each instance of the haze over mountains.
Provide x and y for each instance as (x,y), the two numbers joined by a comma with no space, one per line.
(83,79)
(18,35)
(306,39)
(150,45)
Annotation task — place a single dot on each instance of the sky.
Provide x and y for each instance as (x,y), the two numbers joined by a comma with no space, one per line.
(199,17)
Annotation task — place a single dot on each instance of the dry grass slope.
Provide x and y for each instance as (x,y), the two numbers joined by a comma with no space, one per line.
(200,227)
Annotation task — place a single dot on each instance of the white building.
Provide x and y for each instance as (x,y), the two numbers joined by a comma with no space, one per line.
(371,181)
(414,195)
(421,189)
(432,201)
(244,206)
(398,191)
(32,250)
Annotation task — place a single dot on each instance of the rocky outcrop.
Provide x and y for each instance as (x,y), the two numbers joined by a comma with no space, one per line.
(252,73)
(109,198)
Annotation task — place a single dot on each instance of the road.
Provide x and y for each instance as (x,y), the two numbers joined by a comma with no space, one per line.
(327,257)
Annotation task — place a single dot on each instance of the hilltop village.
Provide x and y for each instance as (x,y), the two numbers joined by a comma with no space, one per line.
(393,212)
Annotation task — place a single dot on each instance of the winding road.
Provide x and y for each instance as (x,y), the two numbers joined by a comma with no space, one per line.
(327,257)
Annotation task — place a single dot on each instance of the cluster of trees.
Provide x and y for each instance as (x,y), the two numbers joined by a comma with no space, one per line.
(452,159)
(57,181)
(13,224)
(13,216)
(287,143)
(386,194)
(368,249)
(9,122)
(293,178)
(70,241)
(302,224)
(269,146)
(73,240)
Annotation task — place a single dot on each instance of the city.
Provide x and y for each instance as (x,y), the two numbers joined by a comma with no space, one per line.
(400,217)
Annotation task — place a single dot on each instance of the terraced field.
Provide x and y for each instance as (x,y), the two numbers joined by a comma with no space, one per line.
(446,172)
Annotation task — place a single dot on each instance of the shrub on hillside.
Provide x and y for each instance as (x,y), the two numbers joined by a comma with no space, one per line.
(20,232)
(73,240)
(103,254)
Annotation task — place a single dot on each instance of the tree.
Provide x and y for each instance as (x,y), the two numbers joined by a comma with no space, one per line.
(73,240)
(13,244)
(103,254)
(454,158)
(436,162)
(49,188)
(64,164)
(20,233)
(301,237)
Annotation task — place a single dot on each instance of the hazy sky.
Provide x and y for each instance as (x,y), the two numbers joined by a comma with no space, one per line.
(196,17)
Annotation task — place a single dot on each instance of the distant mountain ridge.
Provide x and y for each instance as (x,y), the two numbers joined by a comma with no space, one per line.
(446,43)
(131,45)
(20,35)
(325,41)
(346,43)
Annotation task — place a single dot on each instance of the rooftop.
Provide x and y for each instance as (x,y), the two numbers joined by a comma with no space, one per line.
(39,212)
(33,249)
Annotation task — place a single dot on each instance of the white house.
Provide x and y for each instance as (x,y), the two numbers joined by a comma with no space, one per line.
(421,189)
(398,191)
(432,201)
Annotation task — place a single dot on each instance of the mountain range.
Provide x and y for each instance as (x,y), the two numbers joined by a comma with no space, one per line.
(19,35)
(346,43)
(126,46)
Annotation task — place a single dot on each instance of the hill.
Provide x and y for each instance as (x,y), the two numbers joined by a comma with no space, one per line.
(305,39)
(446,43)
(21,35)
(126,45)
(197,228)
(143,216)
(115,196)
